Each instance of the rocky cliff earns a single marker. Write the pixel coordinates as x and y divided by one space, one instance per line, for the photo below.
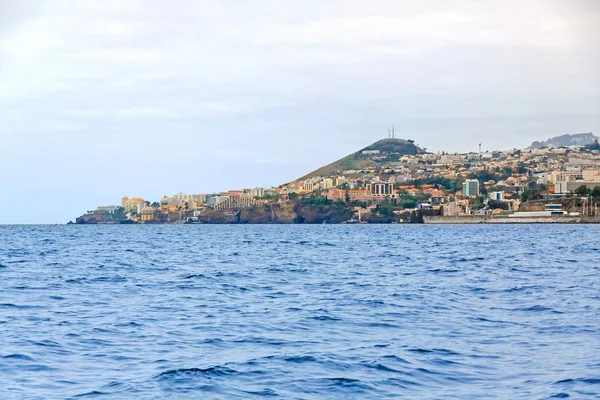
288 212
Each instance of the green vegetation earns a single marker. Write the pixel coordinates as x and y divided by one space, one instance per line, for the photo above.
477 203
268 197
584 191
493 204
315 201
384 209
395 146
485 175
534 194
437 181
407 200
358 161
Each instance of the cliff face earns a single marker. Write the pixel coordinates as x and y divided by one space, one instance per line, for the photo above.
288 212
322 214
282 213
96 218
568 204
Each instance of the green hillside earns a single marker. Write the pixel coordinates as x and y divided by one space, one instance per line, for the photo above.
393 148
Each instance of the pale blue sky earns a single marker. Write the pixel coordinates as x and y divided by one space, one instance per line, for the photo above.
100 99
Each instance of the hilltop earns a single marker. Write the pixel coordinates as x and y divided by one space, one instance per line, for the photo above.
369 157
577 139
392 180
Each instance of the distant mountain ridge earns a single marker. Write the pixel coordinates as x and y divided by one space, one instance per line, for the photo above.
366 158
576 139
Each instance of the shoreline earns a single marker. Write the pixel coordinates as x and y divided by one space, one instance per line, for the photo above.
510 221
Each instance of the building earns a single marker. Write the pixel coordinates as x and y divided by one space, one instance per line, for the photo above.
451 159
327 183
563 187
234 201
213 200
340 180
107 209
194 203
591 174
496 195
403 178
381 189
308 185
147 214
581 162
182 198
258 192
542 179
360 195
335 194
134 204
451 209
471 188
556 176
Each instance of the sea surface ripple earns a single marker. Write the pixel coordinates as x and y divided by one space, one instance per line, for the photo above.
354 311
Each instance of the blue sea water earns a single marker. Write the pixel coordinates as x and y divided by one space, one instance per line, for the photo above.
354 311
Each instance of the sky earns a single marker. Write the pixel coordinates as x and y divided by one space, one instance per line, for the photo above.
106 98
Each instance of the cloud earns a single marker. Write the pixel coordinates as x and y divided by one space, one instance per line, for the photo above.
147 112
306 80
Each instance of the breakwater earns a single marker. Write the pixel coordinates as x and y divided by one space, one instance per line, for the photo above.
476 219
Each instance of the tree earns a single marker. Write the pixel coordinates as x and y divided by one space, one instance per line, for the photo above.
493 204
384 210
505 173
155 204
292 195
595 192
582 191
477 202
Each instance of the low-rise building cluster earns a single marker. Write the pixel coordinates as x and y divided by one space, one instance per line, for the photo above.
456 184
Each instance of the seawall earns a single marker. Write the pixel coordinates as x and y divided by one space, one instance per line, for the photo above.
507 220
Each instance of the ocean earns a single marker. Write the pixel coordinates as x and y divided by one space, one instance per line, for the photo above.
300 312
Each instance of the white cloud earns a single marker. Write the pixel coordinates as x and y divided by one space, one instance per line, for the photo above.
258 77
147 112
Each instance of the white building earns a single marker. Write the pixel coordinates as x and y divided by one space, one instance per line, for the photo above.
308 185
496 195
327 183
563 187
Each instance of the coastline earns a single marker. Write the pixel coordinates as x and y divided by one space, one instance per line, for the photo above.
470 219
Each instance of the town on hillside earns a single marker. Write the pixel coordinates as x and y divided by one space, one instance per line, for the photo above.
392 181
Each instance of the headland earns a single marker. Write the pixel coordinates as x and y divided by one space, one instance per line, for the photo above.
396 181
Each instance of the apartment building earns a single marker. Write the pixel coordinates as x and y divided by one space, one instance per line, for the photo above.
471 188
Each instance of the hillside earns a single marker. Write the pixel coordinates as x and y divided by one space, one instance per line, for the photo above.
577 139
393 148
